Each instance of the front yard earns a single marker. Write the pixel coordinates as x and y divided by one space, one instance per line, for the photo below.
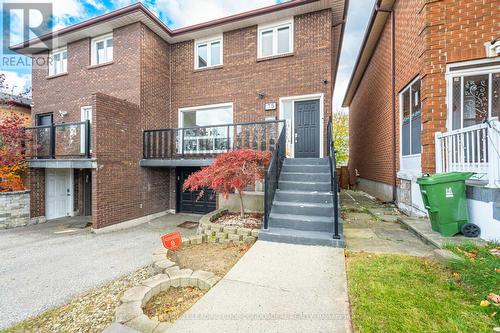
393 293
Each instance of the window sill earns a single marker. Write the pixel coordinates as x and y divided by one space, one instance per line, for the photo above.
100 65
279 56
50 77
208 68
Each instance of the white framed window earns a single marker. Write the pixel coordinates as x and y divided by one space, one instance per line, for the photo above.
473 95
275 39
102 49
208 52
201 134
85 114
58 61
411 119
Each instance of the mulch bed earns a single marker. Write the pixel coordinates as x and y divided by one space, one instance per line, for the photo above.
171 304
211 257
251 221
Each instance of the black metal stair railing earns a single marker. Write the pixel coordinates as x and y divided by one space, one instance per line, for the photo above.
273 174
333 178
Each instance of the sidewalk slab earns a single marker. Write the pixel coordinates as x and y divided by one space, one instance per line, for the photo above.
276 287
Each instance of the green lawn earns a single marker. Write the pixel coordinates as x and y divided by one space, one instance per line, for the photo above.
391 293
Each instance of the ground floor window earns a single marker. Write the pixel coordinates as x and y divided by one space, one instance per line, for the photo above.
475 97
411 119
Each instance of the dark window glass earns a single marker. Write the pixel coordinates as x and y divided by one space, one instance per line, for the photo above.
475 99
406 135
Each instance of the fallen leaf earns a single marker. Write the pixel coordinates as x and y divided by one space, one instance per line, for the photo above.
484 304
494 297
493 314
497 270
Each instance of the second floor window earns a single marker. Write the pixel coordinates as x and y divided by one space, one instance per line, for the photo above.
208 53
58 62
102 49
275 39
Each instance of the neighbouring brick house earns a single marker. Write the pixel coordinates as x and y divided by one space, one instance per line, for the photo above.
127 107
444 57
12 104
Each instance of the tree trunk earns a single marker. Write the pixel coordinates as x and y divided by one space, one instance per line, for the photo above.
242 210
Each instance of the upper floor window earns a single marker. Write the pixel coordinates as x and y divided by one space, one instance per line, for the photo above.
58 62
411 122
102 49
208 53
275 39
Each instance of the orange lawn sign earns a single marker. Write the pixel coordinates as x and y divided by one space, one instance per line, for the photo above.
172 242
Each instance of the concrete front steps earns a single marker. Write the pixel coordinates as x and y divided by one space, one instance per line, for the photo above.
302 211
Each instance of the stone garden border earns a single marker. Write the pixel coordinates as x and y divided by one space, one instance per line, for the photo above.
217 233
130 312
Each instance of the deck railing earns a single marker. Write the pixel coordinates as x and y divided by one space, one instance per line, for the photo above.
208 141
65 140
472 149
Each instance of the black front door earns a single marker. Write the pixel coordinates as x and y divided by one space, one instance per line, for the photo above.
188 201
307 125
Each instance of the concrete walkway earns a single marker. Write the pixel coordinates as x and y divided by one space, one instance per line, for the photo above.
46 265
276 287
372 226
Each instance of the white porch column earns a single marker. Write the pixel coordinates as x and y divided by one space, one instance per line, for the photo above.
438 152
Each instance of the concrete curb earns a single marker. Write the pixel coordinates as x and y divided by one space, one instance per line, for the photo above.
131 223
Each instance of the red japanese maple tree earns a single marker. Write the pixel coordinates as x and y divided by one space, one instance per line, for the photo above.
231 172
13 139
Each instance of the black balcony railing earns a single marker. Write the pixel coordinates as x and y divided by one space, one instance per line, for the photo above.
65 140
208 141
273 175
333 179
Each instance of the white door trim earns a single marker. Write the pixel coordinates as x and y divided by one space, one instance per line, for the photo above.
299 98
70 202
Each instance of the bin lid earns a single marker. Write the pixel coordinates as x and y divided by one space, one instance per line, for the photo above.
444 178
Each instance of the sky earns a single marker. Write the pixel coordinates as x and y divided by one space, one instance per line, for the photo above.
180 13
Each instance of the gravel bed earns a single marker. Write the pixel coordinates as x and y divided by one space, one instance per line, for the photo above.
89 312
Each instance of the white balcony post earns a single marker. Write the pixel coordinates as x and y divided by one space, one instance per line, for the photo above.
493 154
438 152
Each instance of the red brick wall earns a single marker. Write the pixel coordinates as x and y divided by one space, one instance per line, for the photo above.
121 189
242 76
36 183
440 32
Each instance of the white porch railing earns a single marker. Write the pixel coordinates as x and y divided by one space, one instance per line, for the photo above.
475 149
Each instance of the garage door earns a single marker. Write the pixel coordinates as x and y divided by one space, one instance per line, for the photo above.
187 201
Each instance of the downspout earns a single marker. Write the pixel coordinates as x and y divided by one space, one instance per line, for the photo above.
393 97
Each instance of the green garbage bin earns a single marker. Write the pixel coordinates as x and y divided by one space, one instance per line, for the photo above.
445 199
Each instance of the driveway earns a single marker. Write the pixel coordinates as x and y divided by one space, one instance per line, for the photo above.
45 265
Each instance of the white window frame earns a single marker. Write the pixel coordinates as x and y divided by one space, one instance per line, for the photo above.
291 125
93 52
274 28
412 162
53 70
452 74
85 112
202 108
208 42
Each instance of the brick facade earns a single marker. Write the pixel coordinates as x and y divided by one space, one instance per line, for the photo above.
149 80
428 36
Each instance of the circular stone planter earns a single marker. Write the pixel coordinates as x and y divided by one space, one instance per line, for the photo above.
218 233
130 312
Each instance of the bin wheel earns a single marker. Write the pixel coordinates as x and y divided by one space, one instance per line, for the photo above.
470 230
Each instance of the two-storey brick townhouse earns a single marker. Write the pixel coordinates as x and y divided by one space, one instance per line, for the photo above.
127 108
424 97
